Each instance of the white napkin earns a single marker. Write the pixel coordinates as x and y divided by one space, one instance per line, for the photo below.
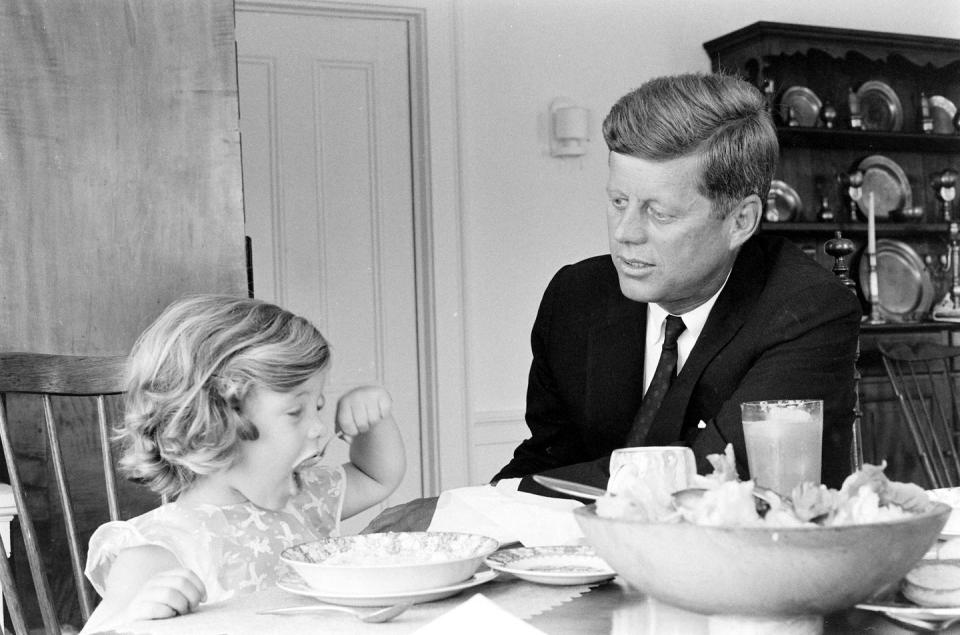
475 612
508 516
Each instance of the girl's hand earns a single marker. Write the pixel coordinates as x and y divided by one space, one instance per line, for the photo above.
167 594
361 409
146 583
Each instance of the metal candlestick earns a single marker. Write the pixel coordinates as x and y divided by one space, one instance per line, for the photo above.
839 248
926 120
944 185
853 104
853 182
948 262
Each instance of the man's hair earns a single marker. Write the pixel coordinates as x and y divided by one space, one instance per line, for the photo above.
188 375
720 118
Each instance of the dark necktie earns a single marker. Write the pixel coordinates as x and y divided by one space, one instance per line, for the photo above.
662 378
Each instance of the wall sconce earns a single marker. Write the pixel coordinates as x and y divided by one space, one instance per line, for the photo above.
569 130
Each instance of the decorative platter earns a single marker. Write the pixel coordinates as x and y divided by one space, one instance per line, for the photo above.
942 111
293 583
905 288
805 105
889 185
880 107
783 203
561 565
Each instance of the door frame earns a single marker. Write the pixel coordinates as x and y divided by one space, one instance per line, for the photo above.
423 239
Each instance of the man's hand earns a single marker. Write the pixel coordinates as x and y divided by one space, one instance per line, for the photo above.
412 516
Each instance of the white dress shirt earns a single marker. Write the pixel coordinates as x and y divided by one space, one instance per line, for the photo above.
656 319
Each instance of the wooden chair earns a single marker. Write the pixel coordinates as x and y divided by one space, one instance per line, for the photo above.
46 377
920 373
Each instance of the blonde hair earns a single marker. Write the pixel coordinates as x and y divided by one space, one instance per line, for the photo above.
188 375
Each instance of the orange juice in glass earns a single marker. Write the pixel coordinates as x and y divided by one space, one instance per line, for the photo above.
784 440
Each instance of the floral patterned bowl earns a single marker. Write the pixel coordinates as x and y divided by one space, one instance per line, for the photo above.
388 563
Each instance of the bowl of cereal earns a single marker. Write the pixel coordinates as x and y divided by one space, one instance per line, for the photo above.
834 550
388 563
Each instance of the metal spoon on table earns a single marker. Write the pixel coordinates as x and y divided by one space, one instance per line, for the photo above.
385 614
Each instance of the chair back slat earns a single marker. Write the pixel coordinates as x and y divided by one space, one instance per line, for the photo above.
45 598
921 375
66 508
106 456
14 607
62 377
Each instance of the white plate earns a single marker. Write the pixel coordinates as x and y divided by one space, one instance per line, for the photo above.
562 565
912 611
295 584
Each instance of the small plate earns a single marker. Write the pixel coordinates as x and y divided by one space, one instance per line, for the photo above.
562 565
783 203
908 610
880 107
905 287
889 185
805 104
942 111
293 583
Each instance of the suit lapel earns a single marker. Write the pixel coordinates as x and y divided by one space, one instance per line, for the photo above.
615 367
728 315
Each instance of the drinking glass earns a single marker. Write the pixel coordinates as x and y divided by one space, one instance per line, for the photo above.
784 440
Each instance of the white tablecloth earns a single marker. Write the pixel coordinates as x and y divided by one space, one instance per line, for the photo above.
238 616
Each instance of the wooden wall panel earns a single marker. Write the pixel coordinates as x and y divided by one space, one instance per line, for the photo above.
119 167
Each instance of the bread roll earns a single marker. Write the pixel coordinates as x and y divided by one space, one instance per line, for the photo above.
933 583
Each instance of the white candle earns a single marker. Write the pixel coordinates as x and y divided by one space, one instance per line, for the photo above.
872 250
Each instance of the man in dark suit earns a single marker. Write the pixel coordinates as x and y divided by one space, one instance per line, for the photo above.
691 161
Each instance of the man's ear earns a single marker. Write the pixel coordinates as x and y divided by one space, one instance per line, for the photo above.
744 220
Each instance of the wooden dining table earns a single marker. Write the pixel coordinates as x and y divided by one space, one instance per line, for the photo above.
612 607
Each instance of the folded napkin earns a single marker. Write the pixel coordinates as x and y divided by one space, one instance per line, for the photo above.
477 611
508 516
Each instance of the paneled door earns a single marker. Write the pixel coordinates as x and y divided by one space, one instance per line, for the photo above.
327 182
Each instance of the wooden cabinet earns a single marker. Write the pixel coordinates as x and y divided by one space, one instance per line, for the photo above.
829 64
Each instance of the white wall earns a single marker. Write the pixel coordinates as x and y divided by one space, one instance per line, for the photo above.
523 213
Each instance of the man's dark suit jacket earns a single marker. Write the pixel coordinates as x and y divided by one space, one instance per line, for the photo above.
782 328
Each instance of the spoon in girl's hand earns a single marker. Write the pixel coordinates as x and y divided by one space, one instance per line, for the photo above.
385 614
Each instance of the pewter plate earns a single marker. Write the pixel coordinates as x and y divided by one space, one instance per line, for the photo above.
905 288
805 104
880 107
942 111
783 203
888 183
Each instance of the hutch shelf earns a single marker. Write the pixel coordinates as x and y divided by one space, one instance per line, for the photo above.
827 66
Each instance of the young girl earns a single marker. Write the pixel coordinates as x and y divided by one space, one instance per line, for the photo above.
223 415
